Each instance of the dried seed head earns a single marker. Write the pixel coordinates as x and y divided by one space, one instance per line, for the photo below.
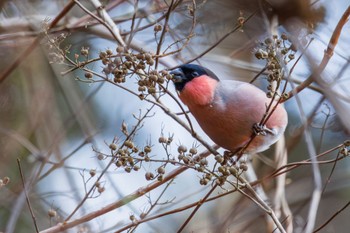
148 56
347 143
128 57
6 180
149 176
153 77
150 62
128 65
284 36
193 150
113 146
84 51
141 153
147 149
120 49
141 89
105 61
129 144
291 56
161 170
151 90
285 95
92 172
52 213
119 163
140 56
203 162
203 181
127 169
219 158
109 52
160 80
102 55
88 75
162 139
157 27
243 166
143 215
233 171
269 94
268 41
182 149
101 189
221 169
344 151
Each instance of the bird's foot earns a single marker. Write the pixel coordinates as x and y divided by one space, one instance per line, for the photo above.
262 130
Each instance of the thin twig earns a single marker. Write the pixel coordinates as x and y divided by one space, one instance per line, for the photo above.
108 22
33 45
327 55
332 217
220 40
200 203
27 198
108 165
164 30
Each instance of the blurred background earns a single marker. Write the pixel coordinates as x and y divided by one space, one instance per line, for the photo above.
58 125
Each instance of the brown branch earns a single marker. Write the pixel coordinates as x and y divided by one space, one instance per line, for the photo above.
199 204
170 9
327 55
191 205
33 45
108 165
26 194
220 40
332 217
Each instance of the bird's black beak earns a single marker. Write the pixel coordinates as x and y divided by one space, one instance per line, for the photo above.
179 79
178 75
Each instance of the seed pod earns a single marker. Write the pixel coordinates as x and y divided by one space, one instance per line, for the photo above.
88 75
157 27
149 176
113 146
147 149
52 213
161 170
120 49
162 139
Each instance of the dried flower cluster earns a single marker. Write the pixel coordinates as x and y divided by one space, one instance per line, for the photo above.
4 181
277 51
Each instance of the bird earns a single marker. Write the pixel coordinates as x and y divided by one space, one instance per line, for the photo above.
229 111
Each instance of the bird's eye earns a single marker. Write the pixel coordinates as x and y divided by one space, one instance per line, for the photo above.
195 74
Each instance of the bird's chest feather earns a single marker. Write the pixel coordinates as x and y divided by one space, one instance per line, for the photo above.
200 91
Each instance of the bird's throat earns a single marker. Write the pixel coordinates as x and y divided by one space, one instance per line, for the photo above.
199 91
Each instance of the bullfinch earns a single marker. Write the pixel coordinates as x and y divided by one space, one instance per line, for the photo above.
228 111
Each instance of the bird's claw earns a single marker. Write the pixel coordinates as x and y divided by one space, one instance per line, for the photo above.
262 130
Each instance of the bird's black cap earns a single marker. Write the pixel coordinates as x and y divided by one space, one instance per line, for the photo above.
185 73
